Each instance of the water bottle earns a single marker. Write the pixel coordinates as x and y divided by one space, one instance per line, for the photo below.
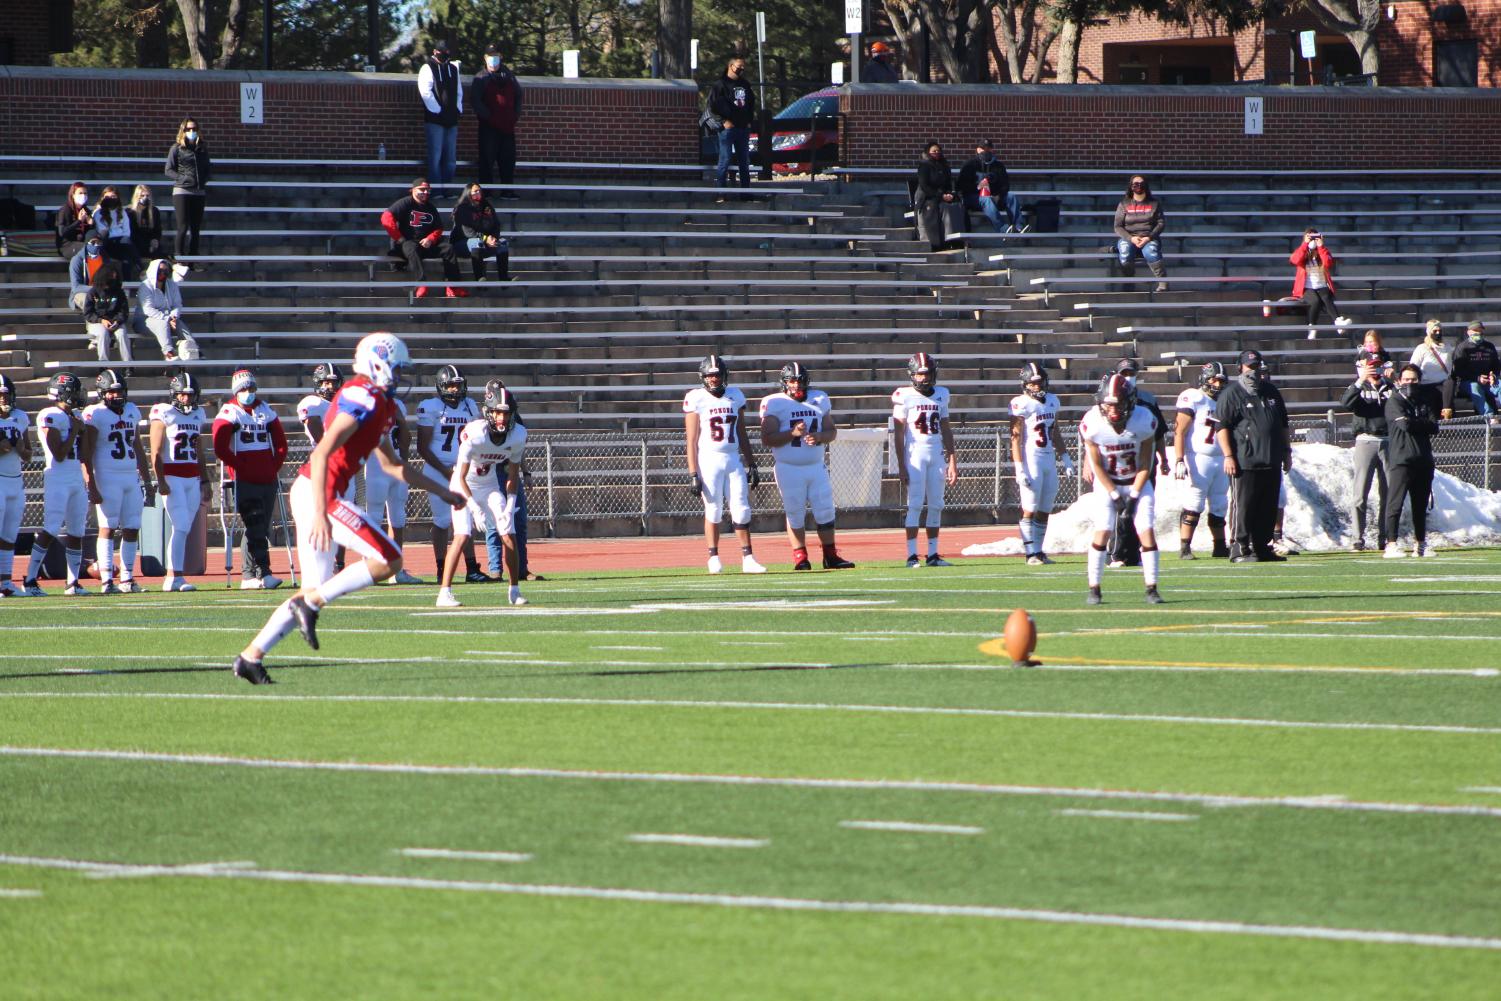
380 152
4 246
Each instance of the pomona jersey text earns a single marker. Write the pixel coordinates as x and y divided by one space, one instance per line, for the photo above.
447 424
923 416
114 438
1118 449
813 412
1037 420
482 454
719 427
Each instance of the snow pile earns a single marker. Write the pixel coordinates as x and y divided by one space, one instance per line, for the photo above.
1319 517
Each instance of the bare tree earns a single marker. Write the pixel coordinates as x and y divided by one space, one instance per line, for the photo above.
195 27
1357 20
1019 29
674 38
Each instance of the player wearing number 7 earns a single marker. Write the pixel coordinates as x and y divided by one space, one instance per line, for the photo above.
1035 452
1204 468
1119 440
924 451
720 464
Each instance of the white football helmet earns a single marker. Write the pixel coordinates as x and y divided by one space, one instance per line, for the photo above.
381 357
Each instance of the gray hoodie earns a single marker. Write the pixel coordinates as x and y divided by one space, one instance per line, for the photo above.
164 303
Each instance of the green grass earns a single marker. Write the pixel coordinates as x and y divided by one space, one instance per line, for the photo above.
620 704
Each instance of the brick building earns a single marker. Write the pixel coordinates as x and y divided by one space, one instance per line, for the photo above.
31 30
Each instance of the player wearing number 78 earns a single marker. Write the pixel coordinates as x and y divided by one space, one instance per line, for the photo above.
1035 451
924 447
720 463
1119 440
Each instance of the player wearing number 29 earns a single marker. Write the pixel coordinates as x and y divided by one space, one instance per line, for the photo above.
180 461
1035 452
65 503
796 424
114 472
924 451
1203 467
720 464
1119 439
359 424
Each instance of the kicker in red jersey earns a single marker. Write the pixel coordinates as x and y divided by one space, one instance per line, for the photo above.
374 412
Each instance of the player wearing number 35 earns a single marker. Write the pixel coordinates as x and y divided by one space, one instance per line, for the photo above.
720 463
796 424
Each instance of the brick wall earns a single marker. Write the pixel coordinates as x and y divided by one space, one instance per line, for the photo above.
1137 128
345 115
23 26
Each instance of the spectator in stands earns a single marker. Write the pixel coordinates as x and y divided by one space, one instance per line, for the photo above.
935 188
984 185
1138 228
82 269
476 229
106 313
1410 455
1366 399
112 223
412 222
497 106
733 100
1313 282
74 221
442 90
1253 438
159 310
1476 367
145 224
878 68
1371 350
1435 363
188 168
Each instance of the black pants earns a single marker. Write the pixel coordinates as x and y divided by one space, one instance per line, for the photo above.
1319 300
124 254
256 503
189 212
497 150
1414 481
1255 492
502 260
415 253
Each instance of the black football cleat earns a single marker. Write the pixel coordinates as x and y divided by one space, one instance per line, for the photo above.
1153 598
1221 553
478 576
1186 553
307 619
252 671
802 565
1094 597
833 561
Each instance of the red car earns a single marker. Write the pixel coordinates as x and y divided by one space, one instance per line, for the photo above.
805 134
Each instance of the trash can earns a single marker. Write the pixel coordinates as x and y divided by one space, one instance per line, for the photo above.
1045 215
856 459
154 533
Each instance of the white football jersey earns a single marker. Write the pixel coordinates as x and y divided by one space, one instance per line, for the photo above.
482 454
1038 418
1119 449
923 417
719 427
1199 403
252 427
813 412
447 424
114 438
60 421
312 405
180 433
13 427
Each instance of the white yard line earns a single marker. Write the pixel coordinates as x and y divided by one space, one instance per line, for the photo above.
449 853
752 902
1484 789
697 841
647 648
1127 815
909 828
19 894
783 782
590 662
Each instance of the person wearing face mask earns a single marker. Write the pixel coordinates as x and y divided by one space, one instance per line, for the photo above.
476 228
1138 228
441 88
934 192
145 224
497 107
733 100
412 223
250 442
1366 399
1313 281
985 185
112 223
106 313
1436 365
74 221
1409 417
159 310
1253 438
82 270
188 167
1476 368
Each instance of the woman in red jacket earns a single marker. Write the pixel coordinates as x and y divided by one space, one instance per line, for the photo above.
1314 282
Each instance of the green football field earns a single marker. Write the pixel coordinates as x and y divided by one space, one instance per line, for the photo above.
1284 783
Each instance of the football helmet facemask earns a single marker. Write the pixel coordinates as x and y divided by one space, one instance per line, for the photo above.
713 367
1212 378
498 407
112 390
183 384
1034 373
7 394
451 385
1117 399
795 381
327 379
923 371
65 388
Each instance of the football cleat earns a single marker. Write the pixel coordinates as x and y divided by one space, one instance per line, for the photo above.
252 671
715 566
307 619
252 584
1272 556
75 591
934 560
514 596
402 577
270 583
1153 598
748 564
8 589
110 587
833 561
802 565
1221 552
1281 548
447 600
129 586
1424 550
1094 597
478 576
1185 552
1360 545
1035 560
1246 558
913 562
31 590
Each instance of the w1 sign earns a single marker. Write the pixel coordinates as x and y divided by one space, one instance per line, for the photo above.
1254 115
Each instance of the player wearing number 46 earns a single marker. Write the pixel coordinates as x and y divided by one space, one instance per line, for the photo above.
720 464
1036 451
15 451
1204 466
249 440
796 424
924 446
65 503
180 461
1119 439
115 475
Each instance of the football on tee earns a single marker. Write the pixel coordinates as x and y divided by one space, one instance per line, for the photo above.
1020 636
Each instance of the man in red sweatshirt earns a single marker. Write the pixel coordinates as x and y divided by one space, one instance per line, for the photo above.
497 105
413 224
249 441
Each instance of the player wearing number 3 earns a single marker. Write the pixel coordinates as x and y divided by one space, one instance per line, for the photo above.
1119 439
1035 452
924 451
796 424
720 464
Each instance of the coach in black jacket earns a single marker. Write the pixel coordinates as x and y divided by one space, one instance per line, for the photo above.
1409 415
1254 439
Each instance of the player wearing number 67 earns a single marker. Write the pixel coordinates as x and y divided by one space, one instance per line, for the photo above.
1035 453
720 463
1119 441
796 424
924 451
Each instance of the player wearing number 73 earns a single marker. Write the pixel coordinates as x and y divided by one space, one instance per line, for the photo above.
1120 439
720 464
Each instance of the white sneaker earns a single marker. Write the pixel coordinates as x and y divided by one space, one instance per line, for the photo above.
515 596
252 584
1393 552
129 586
109 587
75 590
177 584
714 565
1424 550
1035 561
402 577
1342 322
1313 333
447 600
748 564
270 583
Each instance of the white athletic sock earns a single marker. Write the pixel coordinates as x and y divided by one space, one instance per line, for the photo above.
75 563
7 563
177 549
275 629
34 566
932 545
354 577
1150 558
1096 565
911 547
105 552
128 558
1029 535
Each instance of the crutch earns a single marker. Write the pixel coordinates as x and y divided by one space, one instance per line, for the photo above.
226 527
287 529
